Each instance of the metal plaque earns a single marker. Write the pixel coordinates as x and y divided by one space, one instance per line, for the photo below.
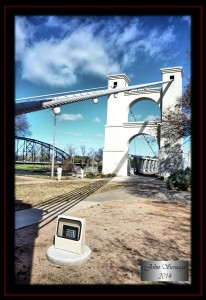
168 270
70 232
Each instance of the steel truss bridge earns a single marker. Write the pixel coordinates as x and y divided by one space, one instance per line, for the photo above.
33 151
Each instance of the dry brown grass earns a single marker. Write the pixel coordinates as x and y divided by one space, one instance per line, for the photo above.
37 192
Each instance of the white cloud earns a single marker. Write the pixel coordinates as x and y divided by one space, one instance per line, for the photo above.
99 136
24 32
96 120
152 118
157 42
74 134
83 141
58 61
55 22
46 63
70 117
73 46
129 34
137 117
187 19
170 20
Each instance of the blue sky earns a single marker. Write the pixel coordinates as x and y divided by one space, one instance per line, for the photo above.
55 54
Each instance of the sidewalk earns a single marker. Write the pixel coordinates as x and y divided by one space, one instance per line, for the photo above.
148 188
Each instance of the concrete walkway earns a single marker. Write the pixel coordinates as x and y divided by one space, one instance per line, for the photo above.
147 188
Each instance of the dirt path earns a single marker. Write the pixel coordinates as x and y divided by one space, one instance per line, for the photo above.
121 232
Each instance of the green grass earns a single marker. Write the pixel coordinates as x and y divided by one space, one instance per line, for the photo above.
31 167
37 176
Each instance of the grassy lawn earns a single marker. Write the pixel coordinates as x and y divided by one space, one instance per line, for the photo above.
37 193
32 167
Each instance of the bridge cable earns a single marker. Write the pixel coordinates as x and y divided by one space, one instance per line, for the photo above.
46 101
134 138
143 134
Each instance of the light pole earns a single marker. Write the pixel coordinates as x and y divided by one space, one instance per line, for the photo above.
189 158
56 112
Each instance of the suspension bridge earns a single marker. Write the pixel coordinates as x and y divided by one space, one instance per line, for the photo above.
36 103
119 132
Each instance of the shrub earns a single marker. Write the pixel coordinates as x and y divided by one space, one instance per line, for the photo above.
90 175
180 180
110 175
99 168
68 166
99 175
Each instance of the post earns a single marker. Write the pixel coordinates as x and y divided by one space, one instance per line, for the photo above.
54 134
189 158
56 111
93 163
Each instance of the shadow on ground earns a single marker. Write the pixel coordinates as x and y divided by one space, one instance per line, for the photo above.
156 189
47 211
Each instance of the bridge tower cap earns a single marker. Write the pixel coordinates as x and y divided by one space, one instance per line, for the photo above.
172 70
118 76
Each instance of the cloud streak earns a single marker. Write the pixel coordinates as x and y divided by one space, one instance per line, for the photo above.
152 118
187 19
74 134
96 120
70 117
99 136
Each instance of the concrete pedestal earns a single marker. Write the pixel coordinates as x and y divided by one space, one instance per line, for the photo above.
62 257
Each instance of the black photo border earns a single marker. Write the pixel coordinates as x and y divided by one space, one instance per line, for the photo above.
9 11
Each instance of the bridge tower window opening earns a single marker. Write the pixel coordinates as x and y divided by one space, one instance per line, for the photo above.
115 85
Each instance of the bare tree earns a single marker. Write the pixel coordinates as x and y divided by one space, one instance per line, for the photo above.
89 155
83 152
178 123
71 150
98 155
186 108
22 126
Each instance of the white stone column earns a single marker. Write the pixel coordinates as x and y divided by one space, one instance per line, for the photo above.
152 165
141 166
149 166
115 153
157 166
146 166
170 154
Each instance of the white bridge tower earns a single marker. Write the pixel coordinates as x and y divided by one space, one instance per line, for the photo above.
119 132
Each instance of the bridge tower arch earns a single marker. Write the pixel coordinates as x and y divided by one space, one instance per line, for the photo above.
118 131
